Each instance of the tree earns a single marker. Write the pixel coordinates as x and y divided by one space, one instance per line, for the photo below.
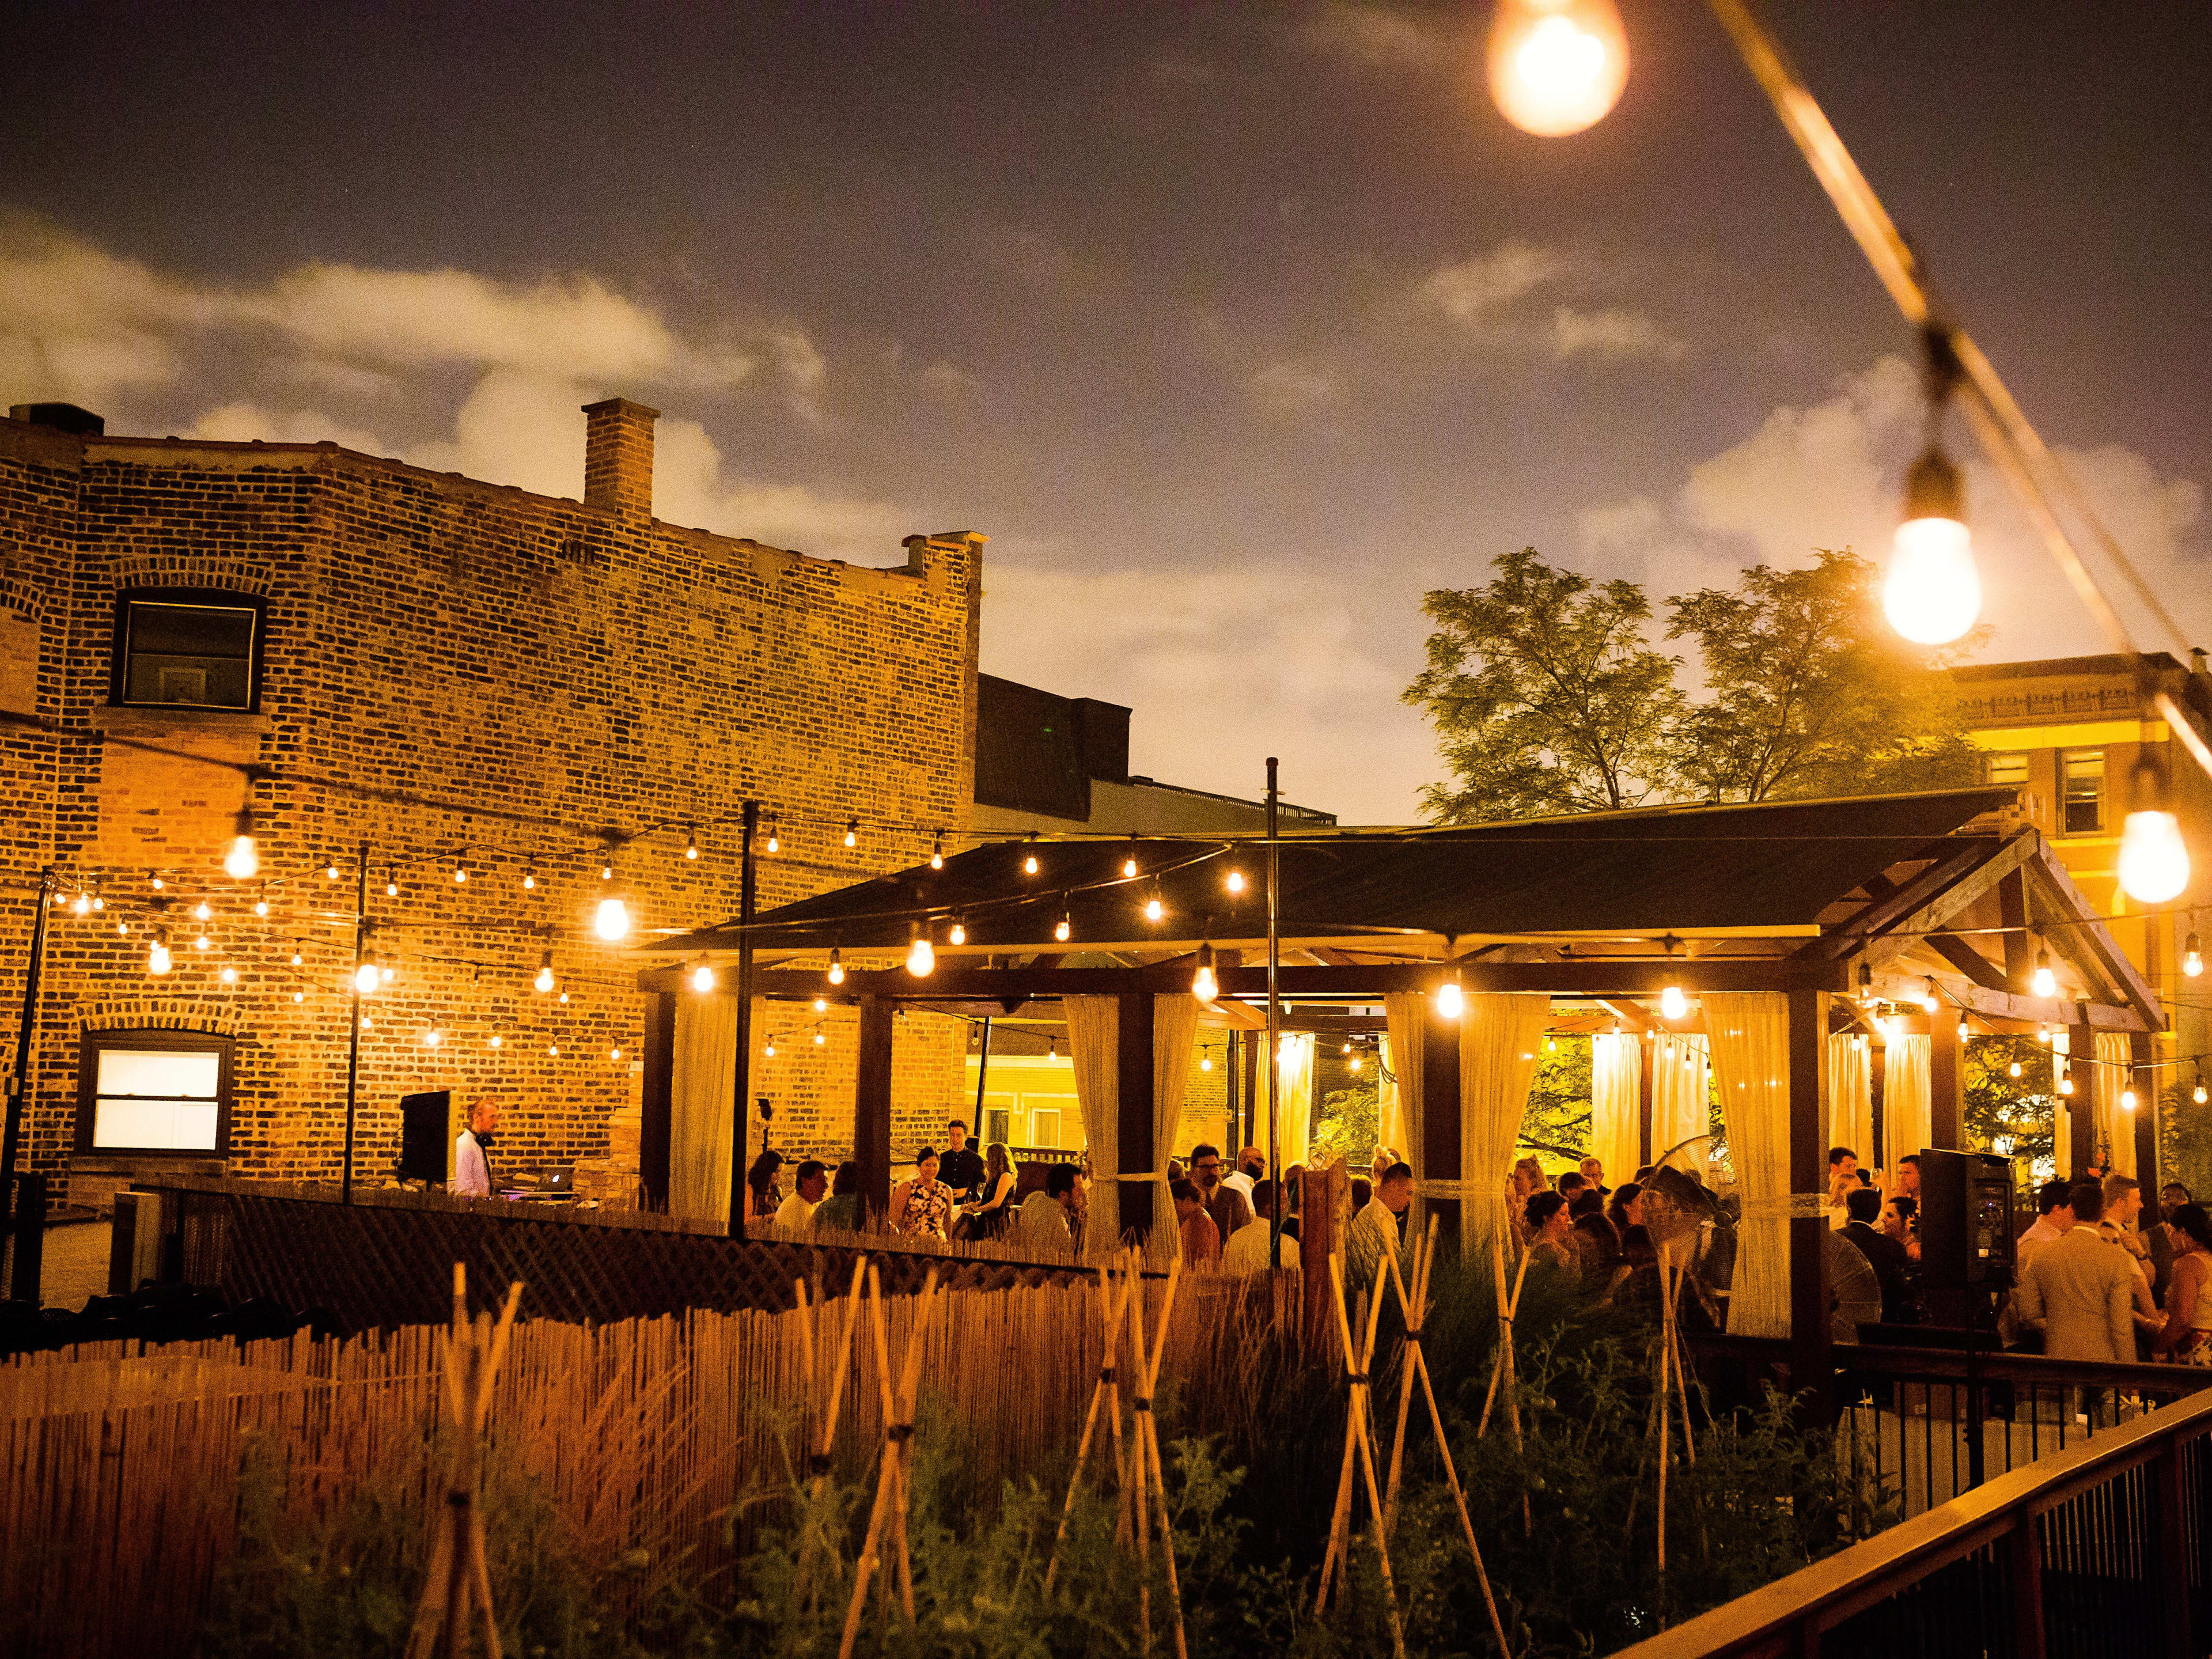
1812 693
1546 697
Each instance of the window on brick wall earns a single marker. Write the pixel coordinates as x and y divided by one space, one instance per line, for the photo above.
181 647
2006 770
2084 772
153 1092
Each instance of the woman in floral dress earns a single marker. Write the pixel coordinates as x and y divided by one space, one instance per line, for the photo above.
922 1207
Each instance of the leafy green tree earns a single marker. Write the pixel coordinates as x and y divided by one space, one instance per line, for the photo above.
1558 1117
1545 695
2011 1115
1811 693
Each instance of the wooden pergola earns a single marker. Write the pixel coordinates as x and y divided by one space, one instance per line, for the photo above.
1841 905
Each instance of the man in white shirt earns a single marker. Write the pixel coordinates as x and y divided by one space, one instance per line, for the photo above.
1251 1166
1046 1223
471 1168
2055 1202
1374 1232
796 1214
1246 1249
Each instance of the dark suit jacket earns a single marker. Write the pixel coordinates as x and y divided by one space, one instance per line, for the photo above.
1890 1267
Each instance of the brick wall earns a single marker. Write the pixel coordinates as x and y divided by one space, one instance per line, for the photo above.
461 655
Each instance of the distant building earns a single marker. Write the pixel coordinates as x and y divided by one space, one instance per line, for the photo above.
2070 733
1053 764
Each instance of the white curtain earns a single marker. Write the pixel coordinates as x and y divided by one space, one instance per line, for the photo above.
1390 1107
2062 1116
1616 1090
1750 1036
2116 1124
1294 1099
1681 1103
1175 1030
1407 1014
701 1097
1851 1097
1906 1121
1094 1043
1499 1036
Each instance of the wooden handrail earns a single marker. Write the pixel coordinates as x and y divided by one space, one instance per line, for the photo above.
1949 1364
1820 1596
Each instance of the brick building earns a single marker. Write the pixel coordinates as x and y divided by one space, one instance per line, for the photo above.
488 689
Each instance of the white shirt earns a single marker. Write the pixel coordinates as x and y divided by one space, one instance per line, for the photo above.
1246 1252
1243 1183
471 1175
796 1215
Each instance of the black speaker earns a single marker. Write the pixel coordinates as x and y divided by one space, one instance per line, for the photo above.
1965 1235
425 1152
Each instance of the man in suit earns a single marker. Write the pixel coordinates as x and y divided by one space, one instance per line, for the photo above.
2080 1291
1885 1254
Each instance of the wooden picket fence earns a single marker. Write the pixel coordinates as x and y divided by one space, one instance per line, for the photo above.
120 1466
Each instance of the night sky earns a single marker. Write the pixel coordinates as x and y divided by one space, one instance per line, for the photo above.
1235 329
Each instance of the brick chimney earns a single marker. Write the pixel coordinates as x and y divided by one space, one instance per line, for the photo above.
618 457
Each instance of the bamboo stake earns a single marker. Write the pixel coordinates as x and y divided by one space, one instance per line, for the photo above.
1509 1308
890 1482
818 1464
1355 1429
1148 1438
1110 1310
1417 1363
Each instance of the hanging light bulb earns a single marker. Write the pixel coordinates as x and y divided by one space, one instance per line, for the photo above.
2192 959
329 872
366 978
495 1041
229 975
1030 863
821 1039
959 934
1206 1062
157 952
553 1051
2066 1079
261 904
158 885
773 843
1451 1002
1557 66
2014 1069
1204 984
299 996
1933 593
529 877
2198 1093
201 912
203 943
100 904
545 980
122 927
392 883
1673 1005
460 873
1129 866
937 852
2127 1100
821 1005
1354 1067
836 967
1052 1048
851 832
1155 908
432 1038
2044 983
81 905
768 1050
691 847
703 976
564 999
296 957
2154 858
1965 1031
612 920
1063 927
1929 1000
1235 881
921 956
1551 1045
388 970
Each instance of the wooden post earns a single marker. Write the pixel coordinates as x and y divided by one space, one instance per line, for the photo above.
2019 948
1647 1049
656 1100
1947 1086
1811 1366
2146 1116
871 1105
1135 1143
1232 1057
2167 1525
1881 1155
1440 1119
2026 1549
2082 1058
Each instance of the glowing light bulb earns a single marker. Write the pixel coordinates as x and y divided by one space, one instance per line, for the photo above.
1030 863
1154 909
821 1005
1235 881
836 967
774 844
921 958
122 927
387 971
2044 1035
1557 66
820 1040
937 854
229 975
553 1051
564 999
545 980
461 874
100 904
2066 1083
1129 867
2192 959
691 852
851 832
495 1041
1203 984
2127 1100
1451 1002
612 920
299 996
1551 1045
2198 1094
1355 1065
261 905
614 1054
157 954
958 935
296 957
529 880
1206 1062
2014 1069
1673 1005
329 872
2154 858
432 1039
203 943
1063 927
1929 1000
201 912
768 1050
703 976
366 979
158 884
2044 982
1933 593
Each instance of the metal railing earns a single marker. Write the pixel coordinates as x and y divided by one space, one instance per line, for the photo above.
2098 1545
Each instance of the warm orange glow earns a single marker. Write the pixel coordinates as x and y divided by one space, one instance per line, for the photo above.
1557 66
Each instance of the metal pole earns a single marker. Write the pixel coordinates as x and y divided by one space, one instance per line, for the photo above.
19 1082
353 1043
982 1070
1274 1022
748 884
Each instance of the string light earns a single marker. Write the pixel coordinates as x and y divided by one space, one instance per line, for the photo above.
774 844
768 1050
836 967
1030 863
203 943
612 922
1129 866
1235 881
2066 1081
2127 1100
1557 66
366 979
545 980
1964 1031
228 976
1206 1062
2044 982
1063 927
553 1051
261 904
201 912
296 957
1155 908
391 882
1203 985
921 957
243 861
157 952
299 996
937 852
158 885
1551 1045
820 1038
1451 1002
2198 1093
614 1054
851 832
101 904
1933 593
82 904
432 1038
958 932
388 970
2154 858
564 999
529 877
1673 1005
2015 1069
690 852
821 1005
703 976
2192 959
330 873
495 1041
1929 1001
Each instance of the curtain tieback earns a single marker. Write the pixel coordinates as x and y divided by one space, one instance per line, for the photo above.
1785 1207
1138 1175
1441 1188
